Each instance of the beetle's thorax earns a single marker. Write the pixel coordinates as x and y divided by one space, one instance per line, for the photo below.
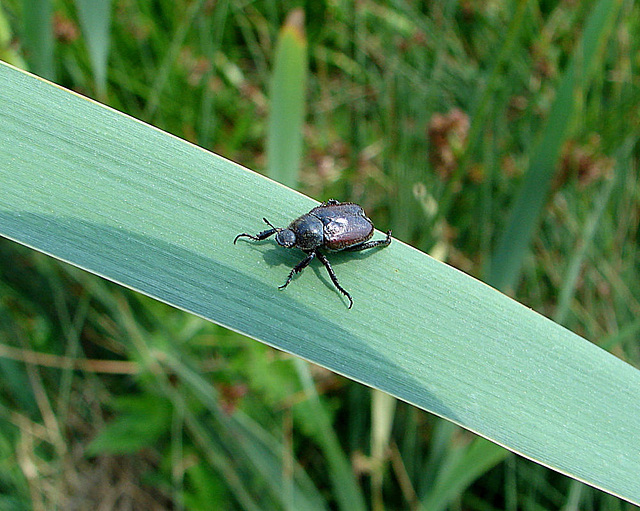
308 232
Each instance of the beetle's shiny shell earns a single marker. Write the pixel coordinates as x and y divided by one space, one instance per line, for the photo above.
344 225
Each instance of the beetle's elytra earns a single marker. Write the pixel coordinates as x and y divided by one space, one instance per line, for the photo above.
334 226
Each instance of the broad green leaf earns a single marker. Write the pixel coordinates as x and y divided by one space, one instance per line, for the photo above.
121 199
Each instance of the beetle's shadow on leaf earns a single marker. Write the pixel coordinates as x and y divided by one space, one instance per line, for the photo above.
278 256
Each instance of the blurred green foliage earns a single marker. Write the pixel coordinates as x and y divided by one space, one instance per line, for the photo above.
426 113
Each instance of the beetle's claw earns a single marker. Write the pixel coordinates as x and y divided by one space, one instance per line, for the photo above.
348 297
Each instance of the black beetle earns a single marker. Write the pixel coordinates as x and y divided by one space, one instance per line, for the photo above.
334 226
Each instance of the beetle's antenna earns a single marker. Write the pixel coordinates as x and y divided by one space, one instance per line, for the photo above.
271 225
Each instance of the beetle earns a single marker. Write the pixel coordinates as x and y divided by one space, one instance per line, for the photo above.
333 226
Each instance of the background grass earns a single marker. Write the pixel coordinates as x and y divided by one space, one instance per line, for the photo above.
381 130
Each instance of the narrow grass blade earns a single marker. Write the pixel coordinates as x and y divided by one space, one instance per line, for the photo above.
95 18
342 478
38 37
383 408
463 465
7 52
586 239
514 243
288 88
171 56
251 444
121 199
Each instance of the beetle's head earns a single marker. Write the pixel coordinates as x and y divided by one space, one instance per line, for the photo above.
286 238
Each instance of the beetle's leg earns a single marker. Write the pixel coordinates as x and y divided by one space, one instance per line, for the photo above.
334 279
369 244
258 237
298 268
331 202
261 235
